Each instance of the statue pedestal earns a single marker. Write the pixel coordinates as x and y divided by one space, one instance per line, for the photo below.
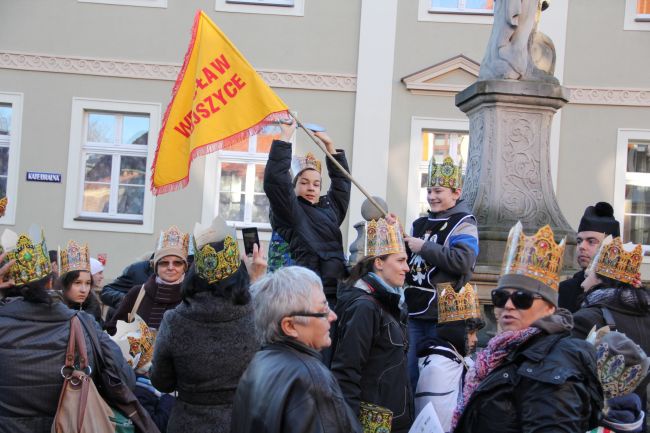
508 177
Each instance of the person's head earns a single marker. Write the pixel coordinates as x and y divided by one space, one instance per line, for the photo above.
290 303
170 258
234 287
472 326
97 271
36 292
76 286
597 222
54 264
307 184
517 308
444 186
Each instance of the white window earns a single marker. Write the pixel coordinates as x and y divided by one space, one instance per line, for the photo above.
632 186
11 111
111 149
268 7
144 3
234 182
431 138
637 15
456 11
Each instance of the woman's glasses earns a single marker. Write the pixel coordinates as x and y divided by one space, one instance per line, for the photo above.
521 299
322 315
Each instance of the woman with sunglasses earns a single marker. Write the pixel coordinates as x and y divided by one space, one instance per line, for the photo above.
370 341
533 376
162 291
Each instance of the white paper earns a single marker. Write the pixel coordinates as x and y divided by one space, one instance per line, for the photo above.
427 421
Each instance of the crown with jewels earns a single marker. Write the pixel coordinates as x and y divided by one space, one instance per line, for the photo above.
615 261
3 206
32 261
300 163
214 266
447 174
460 305
136 341
74 257
173 238
538 256
383 238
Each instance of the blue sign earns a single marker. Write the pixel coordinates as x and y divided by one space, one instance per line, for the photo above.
37 176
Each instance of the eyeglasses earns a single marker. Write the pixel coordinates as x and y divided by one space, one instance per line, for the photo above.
174 263
323 315
521 299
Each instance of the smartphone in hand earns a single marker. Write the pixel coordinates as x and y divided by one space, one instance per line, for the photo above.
250 238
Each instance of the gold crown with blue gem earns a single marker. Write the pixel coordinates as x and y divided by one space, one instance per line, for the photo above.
302 163
211 264
74 257
447 174
32 262
383 238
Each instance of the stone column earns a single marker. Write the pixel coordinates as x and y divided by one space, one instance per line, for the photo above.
508 176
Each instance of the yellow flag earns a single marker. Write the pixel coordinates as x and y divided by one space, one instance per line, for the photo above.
218 99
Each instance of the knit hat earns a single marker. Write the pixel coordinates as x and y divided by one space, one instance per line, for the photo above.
172 242
95 266
600 218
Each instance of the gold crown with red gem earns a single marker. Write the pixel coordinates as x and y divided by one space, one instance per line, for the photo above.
383 238
538 256
618 261
448 174
460 305
301 163
74 257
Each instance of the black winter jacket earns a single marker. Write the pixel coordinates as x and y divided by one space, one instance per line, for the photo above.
369 352
571 293
287 389
315 240
631 316
133 275
33 342
548 384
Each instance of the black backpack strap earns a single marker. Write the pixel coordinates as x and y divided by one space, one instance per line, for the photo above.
609 318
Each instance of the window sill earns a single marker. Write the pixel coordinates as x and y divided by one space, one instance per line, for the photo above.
297 10
448 12
426 14
109 220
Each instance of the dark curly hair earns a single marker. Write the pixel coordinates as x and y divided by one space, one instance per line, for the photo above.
36 292
233 288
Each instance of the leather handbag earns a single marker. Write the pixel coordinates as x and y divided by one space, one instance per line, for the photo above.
81 408
111 387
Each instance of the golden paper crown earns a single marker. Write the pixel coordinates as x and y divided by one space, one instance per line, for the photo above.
538 256
32 260
614 260
448 174
300 163
214 266
3 206
142 344
454 306
174 239
383 238
74 258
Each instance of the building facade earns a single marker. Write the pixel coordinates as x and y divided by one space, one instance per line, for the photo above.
84 85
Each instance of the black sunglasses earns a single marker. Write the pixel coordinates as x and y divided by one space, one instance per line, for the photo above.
521 299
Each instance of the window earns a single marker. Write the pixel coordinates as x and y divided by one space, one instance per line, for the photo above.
144 3
456 11
11 109
462 6
268 7
432 138
637 15
111 150
632 186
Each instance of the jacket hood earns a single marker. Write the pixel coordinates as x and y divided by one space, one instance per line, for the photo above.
461 207
205 307
557 323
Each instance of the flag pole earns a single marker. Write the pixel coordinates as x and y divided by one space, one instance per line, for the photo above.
339 166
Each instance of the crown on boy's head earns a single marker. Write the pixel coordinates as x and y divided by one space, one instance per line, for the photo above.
448 174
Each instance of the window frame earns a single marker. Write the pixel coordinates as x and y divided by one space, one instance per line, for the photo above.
261 7
624 136
427 13
13 165
74 216
633 20
138 3
418 126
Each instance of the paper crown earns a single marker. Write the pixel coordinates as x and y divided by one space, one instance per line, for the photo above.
74 258
538 256
210 264
3 206
172 242
136 341
300 163
617 261
32 261
454 306
447 174
383 238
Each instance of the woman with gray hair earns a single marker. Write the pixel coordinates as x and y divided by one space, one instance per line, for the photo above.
286 387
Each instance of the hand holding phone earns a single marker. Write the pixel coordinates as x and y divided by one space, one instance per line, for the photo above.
251 238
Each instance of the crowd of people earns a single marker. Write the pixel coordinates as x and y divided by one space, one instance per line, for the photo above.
200 338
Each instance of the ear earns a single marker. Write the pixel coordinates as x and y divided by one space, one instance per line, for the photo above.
378 264
457 193
288 328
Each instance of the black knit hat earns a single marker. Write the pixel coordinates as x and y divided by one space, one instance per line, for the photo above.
600 218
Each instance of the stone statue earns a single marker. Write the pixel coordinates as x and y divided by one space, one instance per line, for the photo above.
516 50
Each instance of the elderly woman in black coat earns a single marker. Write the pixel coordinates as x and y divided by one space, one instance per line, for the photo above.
204 345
